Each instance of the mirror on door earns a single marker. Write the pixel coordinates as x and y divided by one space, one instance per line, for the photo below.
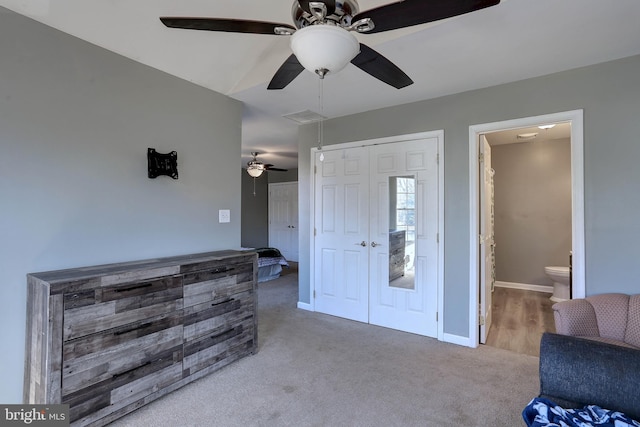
402 231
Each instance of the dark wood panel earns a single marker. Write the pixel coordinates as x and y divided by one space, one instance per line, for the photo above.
210 318
211 355
100 317
211 291
157 372
116 362
102 341
241 270
218 264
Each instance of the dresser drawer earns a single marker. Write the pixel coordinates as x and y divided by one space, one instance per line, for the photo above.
213 330
96 368
216 285
92 311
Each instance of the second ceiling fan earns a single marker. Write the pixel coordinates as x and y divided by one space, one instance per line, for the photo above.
322 39
255 167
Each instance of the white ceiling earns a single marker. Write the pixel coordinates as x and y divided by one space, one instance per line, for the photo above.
514 40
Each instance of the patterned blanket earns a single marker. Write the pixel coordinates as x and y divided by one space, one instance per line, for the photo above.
544 413
270 256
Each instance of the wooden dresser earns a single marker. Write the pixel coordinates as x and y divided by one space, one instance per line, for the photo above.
109 339
396 253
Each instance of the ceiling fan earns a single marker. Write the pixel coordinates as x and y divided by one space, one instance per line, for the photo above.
322 39
255 168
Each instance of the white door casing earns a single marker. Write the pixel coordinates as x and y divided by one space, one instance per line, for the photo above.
486 240
576 119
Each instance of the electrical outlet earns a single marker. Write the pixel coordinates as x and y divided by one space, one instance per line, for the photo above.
224 215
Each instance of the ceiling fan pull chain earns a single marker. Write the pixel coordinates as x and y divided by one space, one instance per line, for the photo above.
321 121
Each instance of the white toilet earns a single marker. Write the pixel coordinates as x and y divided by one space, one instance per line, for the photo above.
561 282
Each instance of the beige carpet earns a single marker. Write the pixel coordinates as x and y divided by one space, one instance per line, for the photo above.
318 370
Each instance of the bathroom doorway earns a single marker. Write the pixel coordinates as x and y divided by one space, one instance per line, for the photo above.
535 218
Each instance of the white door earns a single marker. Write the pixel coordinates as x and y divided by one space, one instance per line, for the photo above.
404 236
352 236
283 219
487 242
342 234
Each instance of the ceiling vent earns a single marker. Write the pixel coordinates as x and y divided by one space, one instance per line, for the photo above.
305 117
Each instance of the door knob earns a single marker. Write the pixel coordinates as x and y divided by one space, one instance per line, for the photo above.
374 244
363 243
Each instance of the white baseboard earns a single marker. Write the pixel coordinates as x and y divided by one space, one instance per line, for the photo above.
457 339
525 286
305 306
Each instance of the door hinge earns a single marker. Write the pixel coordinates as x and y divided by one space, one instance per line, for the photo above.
481 320
436 316
315 169
314 232
481 157
314 294
438 159
437 237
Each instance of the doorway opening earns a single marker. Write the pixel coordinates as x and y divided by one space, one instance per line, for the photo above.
482 243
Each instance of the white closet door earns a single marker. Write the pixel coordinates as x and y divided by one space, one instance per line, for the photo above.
283 219
360 270
403 230
342 233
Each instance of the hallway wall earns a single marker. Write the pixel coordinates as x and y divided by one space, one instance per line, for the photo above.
532 209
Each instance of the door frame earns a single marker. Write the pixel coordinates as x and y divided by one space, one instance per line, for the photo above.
439 134
575 117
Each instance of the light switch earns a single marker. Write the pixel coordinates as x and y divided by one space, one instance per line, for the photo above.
224 215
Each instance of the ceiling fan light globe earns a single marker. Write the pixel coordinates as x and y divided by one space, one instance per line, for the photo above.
324 47
255 169
254 172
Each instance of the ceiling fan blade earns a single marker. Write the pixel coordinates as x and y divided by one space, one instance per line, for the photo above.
286 73
413 12
371 62
306 6
227 25
269 167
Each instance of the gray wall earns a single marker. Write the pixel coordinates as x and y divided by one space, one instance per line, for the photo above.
609 93
289 176
75 124
255 211
532 209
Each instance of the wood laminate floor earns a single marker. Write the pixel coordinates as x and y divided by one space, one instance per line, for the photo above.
519 319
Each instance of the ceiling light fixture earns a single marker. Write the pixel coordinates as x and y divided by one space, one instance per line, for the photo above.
324 48
255 169
545 127
530 135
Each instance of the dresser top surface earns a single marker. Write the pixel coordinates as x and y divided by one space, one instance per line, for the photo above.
141 265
